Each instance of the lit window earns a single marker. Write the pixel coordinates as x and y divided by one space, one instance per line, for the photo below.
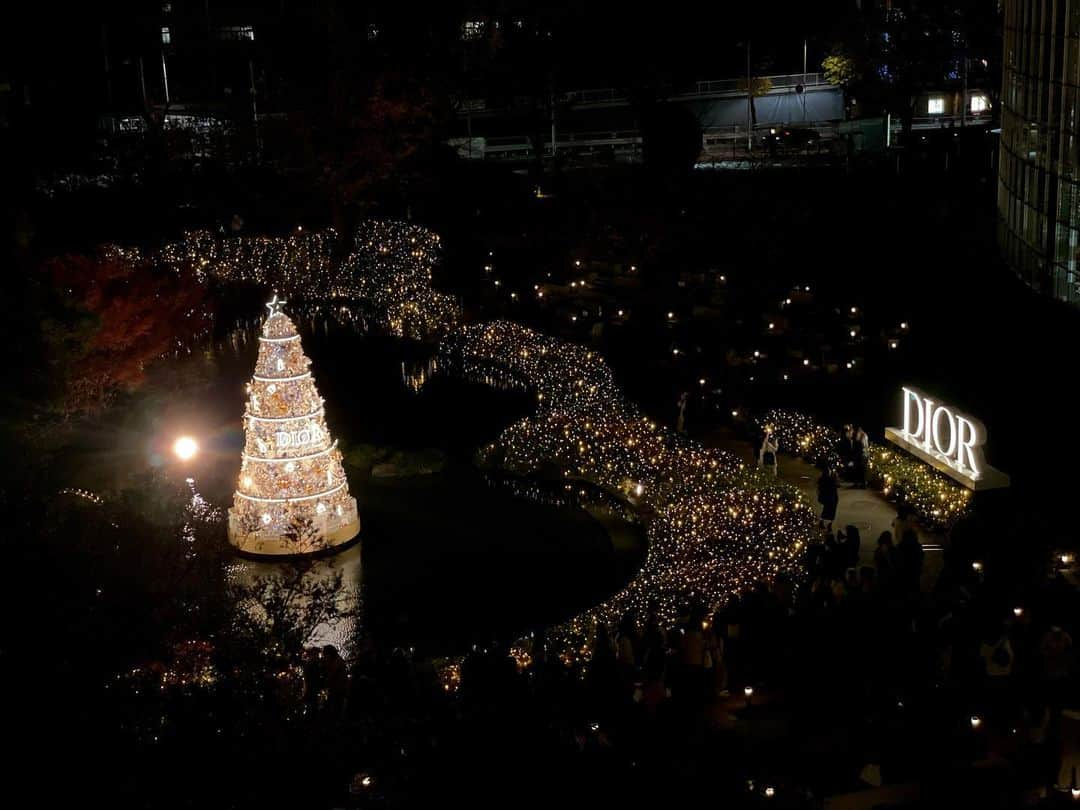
166 37
237 32
936 106
980 104
472 29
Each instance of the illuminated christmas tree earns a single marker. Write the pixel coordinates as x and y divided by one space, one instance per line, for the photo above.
293 497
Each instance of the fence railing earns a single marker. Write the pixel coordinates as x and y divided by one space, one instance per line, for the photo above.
943 121
779 82
602 136
522 143
616 95
710 135
606 95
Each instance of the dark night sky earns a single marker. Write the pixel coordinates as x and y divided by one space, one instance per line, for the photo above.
594 37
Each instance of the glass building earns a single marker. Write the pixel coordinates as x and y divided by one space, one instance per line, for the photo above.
1038 194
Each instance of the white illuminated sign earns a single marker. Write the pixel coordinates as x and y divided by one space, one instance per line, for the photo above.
298 438
947 439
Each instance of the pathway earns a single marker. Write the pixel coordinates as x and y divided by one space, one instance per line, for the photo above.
866 509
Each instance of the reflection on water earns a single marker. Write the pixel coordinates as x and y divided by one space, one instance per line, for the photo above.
314 601
197 511
415 374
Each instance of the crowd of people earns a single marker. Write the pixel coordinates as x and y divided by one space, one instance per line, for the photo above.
861 673
853 453
947 661
849 678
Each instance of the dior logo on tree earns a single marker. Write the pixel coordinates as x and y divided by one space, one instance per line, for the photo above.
298 438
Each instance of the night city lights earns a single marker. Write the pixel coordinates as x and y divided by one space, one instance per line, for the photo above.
501 404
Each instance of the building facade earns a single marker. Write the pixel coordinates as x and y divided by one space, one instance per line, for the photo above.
1038 186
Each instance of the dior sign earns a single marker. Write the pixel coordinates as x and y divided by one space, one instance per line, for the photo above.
298 438
947 439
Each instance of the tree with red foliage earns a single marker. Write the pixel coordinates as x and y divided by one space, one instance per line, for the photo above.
117 317
361 141
383 132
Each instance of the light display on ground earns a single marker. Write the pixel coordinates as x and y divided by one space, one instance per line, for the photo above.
388 269
714 525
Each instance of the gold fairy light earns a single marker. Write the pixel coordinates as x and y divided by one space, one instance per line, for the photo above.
714 525
717 527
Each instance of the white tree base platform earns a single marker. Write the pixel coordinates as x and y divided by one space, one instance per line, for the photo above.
275 545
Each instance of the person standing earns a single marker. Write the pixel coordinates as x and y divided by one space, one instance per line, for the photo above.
903 524
861 452
849 550
680 421
828 494
768 451
627 647
693 656
885 560
847 450
910 555
714 644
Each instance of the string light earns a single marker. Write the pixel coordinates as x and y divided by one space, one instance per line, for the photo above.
317 412
323 452
714 525
388 270
317 495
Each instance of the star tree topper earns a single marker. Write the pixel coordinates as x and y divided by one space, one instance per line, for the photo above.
274 306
